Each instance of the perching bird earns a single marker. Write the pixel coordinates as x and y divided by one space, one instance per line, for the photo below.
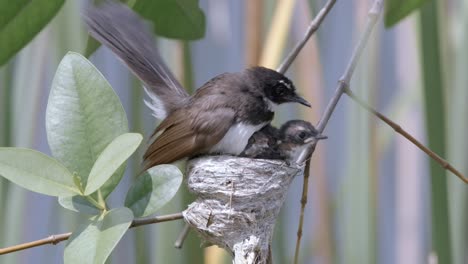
219 117
290 143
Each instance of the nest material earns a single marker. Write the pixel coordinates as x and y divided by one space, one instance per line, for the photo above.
238 201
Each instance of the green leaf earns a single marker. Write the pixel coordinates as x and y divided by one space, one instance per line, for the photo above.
179 19
94 241
456 134
396 10
153 189
91 46
20 21
78 203
83 116
435 113
113 156
36 172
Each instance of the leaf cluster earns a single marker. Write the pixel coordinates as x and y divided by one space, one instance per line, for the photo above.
87 131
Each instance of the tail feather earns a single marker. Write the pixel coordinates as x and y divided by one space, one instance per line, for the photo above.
122 31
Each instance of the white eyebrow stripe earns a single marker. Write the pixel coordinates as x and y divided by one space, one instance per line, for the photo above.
285 84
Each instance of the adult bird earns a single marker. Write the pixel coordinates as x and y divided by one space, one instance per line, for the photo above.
219 117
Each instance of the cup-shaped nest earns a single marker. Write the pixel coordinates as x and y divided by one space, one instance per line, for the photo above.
238 201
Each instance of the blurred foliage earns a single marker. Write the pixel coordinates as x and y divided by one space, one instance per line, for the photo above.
457 129
21 20
435 113
181 19
396 10
91 46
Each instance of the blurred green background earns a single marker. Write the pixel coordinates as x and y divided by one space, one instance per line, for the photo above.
373 196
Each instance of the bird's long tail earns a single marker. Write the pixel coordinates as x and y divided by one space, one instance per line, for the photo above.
121 30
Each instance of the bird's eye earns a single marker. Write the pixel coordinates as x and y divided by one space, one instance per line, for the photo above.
302 135
280 90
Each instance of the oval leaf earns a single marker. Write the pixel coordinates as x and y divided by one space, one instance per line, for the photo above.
20 21
180 19
153 189
36 172
396 10
83 116
78 203
113 156
94 241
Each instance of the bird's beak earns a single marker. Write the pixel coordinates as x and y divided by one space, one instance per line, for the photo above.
319 137
316 138
297 99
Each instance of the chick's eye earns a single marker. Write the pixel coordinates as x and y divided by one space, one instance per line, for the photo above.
302 135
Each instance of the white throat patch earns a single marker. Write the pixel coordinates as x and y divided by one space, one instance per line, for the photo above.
271 105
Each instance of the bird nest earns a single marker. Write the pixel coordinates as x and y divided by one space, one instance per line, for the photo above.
238 201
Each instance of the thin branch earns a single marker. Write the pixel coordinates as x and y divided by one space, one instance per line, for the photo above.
373 15
52 239
445 164
182 236
346 78
55 239
314 25
305 188
156 219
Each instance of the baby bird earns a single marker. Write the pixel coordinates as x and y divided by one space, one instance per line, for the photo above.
290 143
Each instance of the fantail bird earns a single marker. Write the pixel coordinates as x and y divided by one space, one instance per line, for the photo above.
219 117
290 143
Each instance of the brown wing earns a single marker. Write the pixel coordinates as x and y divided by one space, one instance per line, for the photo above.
184 134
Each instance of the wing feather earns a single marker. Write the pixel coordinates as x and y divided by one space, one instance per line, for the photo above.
183 134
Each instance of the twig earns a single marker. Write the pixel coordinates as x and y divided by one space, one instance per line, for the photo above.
52 239
182 236
373 15
314 25
346 78
305 189
445 164
55 239
156 219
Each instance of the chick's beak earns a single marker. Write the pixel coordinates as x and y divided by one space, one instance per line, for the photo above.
316 138
319 137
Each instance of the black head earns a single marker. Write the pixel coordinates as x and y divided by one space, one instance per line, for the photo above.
299 132
276 87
